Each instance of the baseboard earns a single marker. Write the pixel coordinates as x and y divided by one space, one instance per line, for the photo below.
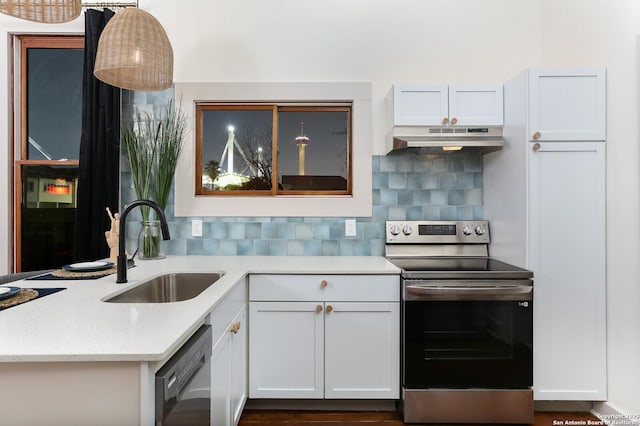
611 416
322 404
576 406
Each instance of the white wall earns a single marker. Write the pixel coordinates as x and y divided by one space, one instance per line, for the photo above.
388 41
381 41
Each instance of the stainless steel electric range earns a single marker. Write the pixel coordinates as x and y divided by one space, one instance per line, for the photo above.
467 325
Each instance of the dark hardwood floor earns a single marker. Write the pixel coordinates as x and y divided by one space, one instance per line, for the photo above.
358 418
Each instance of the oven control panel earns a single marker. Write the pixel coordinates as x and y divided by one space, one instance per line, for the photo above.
437 232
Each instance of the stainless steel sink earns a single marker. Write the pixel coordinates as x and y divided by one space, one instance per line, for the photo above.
167 288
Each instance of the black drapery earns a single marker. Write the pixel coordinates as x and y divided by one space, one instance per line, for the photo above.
99 168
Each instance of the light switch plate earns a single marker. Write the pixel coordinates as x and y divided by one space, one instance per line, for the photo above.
350 228
196 228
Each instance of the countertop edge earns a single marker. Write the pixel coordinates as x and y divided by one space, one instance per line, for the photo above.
234 274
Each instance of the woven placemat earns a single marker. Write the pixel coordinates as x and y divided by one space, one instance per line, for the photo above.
22 296
63 273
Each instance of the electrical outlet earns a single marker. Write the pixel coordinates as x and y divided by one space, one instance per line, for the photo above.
350 228
196 228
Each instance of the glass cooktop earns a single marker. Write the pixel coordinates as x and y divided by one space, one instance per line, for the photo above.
458 267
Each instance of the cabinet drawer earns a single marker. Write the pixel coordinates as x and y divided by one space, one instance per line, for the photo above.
223 314
320 287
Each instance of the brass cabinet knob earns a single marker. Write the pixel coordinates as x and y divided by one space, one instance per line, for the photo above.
537 135
536 146
318 309
235 327
445 120
454 121
329 308
324 283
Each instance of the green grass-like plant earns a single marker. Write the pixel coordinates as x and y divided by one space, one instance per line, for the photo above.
153 146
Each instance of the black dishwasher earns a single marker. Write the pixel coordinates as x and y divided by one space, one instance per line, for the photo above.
183 384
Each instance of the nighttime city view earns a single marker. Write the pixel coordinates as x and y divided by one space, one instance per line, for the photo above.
236 149
312 145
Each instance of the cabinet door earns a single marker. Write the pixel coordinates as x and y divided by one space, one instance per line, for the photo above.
221 382
567 256
287 351
239 363
475 105
362 350
420 104
567 104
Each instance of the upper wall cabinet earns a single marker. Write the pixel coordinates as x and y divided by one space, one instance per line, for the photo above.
447 105
567 104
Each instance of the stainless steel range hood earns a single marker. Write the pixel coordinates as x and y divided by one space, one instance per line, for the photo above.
447 139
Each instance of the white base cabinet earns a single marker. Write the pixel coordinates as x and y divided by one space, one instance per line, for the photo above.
309 338
229 359
287 350
545 200
361 350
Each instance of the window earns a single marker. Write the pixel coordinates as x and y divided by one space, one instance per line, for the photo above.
48 101
356 201
273 149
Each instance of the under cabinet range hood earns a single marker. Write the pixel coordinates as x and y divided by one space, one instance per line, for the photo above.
447 139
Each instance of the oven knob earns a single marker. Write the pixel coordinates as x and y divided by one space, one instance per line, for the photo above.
480 230
394 229
467 230
407 230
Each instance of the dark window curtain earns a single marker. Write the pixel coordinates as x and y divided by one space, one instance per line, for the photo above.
99 171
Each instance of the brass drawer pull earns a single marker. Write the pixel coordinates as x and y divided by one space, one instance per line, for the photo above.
318 309
235 328
324 283
329 308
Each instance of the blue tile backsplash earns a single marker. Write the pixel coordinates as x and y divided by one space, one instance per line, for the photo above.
405 186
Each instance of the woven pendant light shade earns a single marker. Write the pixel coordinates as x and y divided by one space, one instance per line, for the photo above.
44 11
134 52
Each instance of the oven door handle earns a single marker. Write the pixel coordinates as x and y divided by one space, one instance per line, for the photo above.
462 291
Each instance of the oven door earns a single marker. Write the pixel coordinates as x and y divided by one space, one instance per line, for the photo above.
484 342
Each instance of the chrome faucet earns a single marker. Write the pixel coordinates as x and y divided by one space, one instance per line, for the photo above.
122 256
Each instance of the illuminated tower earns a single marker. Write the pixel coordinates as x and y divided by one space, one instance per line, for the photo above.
229 148
302 142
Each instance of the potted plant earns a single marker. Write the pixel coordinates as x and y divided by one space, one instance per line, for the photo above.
153 146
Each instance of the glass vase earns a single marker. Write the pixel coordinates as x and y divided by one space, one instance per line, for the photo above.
150 242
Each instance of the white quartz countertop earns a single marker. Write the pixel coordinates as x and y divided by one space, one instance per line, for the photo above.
77 325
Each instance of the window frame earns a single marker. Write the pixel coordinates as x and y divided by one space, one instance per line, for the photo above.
358 204
22 43
275 108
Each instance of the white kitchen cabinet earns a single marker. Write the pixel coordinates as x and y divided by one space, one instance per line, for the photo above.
287 356
333 336
361 349
567 104
239 367
546 205
567 254
447 105
221 382
229 360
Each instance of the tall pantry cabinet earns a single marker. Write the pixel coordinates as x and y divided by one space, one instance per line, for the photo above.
544 195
